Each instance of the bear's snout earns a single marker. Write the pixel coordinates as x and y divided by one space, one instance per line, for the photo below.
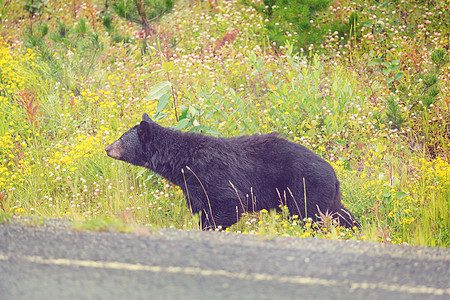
115 150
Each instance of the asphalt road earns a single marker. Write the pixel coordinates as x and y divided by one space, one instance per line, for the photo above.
55 262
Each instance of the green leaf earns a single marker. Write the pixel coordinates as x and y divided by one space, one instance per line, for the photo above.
380 149
232 92
145 76
386 194
182 124
375 61
162 103
398 75
386 71
159 116
251 57
168 66
158 90
381 23
206 129
193 111
140 173
394 181
400 195
183 112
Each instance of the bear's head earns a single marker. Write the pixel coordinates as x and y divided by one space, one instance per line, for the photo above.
132 146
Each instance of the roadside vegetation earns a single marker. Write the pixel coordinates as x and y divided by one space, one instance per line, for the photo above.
365 84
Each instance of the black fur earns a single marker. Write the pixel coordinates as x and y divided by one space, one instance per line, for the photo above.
223 177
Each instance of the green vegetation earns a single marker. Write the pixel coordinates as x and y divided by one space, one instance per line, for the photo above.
141 12
372 97
4 218
103 223
295 21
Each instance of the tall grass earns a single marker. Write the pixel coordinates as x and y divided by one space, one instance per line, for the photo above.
373 101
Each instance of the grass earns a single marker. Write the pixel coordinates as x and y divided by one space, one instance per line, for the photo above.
373 101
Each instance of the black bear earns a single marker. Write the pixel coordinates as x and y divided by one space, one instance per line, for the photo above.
223 177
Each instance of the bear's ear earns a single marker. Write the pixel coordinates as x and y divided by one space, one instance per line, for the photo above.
144 131
146 118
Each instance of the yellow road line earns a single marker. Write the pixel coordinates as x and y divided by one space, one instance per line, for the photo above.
235 275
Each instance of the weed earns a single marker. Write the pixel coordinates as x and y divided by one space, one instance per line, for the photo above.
371 97
102 223
28 102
